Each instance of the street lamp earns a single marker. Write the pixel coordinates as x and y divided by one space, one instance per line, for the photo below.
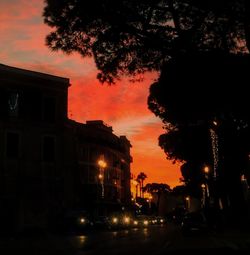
135 183
188 202
206 170
203 186
102 165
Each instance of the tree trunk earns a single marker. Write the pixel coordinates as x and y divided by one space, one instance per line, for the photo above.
142 192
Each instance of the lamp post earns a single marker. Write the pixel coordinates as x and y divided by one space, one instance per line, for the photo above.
102 165
206 172
135 183
187 202
215 146
203 187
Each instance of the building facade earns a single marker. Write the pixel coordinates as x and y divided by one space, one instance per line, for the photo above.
103 167
47 162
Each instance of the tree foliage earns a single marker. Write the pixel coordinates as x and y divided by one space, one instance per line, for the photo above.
130 37
157 188
197 46
141 177
192 91
199 86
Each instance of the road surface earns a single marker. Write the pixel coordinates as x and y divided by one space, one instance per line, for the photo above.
155 240
151 240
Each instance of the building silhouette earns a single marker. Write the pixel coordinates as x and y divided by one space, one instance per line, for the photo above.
102 189
49 163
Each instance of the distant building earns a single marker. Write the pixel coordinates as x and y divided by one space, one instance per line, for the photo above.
102 188
47 162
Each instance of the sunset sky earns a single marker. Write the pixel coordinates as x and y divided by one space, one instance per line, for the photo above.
123 106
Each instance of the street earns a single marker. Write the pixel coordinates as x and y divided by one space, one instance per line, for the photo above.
146 240
158 240
151 240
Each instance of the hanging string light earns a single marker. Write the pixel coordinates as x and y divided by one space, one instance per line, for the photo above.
214 140
13 101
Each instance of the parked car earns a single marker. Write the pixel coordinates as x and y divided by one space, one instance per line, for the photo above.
114 221
160 220
121 220
194 222
75 221
141 221
102 222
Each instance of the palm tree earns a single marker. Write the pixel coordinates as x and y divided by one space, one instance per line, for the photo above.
140 178
138 183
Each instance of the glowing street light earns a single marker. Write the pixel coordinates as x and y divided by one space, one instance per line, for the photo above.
203 186
215 122
102 165
135 184
206 169
188 202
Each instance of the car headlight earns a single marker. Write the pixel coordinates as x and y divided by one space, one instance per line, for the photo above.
135 222
126 220
114 220
145 222
82 220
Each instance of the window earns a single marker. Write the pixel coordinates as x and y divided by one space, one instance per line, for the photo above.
49 109
12 145
48 150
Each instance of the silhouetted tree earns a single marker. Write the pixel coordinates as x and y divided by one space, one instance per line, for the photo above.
138 183
211 94
192 91
141 177
131 37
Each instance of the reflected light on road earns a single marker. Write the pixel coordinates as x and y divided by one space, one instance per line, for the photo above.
114 233
82 240
126 232
145 232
